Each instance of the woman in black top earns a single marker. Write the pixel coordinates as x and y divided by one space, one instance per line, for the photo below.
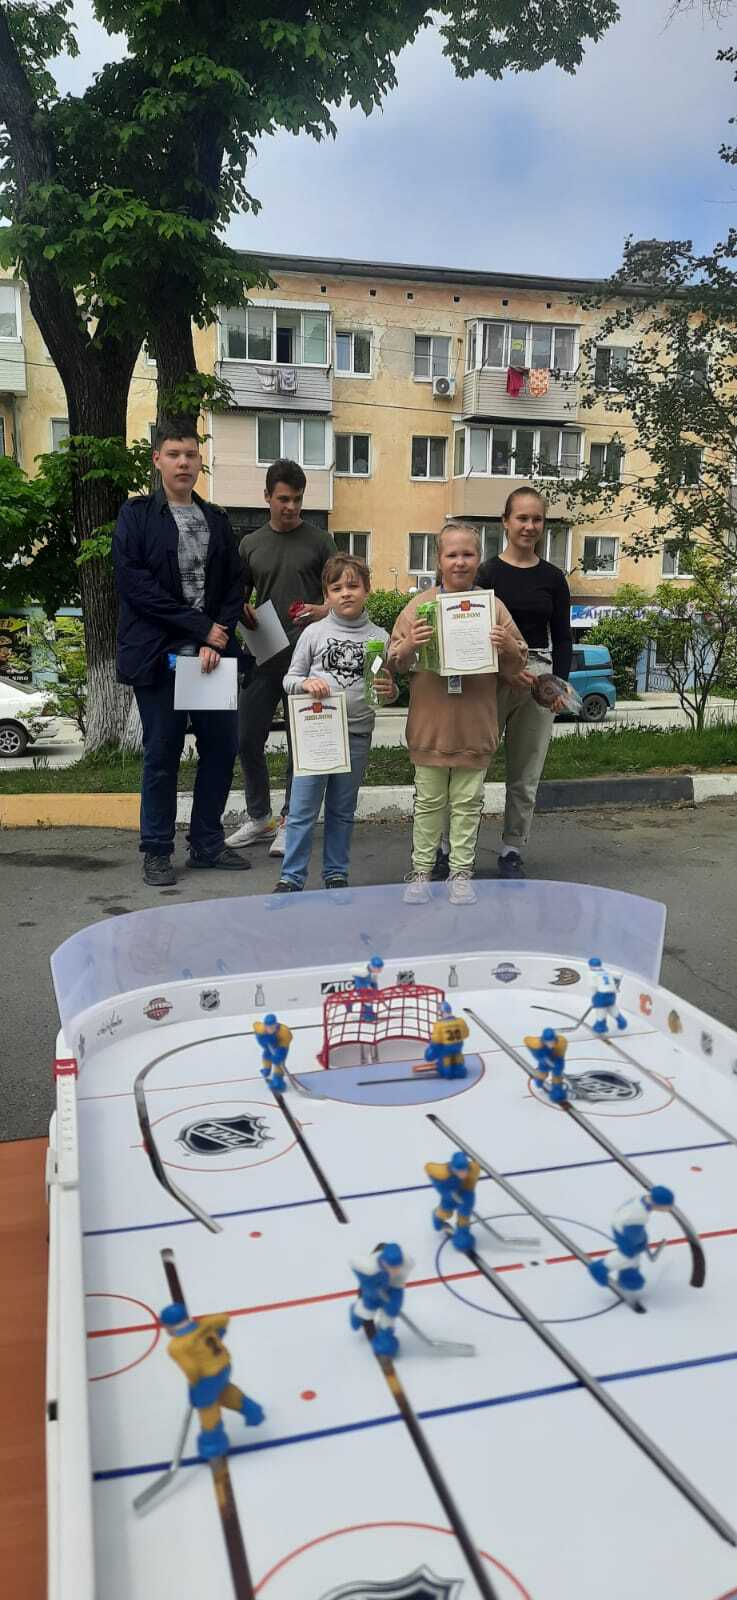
538 597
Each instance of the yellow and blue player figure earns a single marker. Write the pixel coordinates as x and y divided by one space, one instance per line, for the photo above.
275 1038
367 983
604 999
455 1181
549 1052
381 1279
196 1344
445 1049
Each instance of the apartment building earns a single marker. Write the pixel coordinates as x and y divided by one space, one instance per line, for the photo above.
409 394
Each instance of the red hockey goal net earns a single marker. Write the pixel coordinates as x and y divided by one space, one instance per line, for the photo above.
407 1011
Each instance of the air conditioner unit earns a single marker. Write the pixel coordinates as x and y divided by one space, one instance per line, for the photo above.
443 388
426 579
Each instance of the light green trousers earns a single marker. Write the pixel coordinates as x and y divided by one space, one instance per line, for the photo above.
458 791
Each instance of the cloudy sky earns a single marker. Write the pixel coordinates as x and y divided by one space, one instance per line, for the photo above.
540 173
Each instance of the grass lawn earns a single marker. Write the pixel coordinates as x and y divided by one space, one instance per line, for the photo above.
620 751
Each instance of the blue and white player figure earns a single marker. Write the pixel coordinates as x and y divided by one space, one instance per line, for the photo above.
549 1054
455 1182
604 1000
381 1279
367 981
629 1227
274 1038
445 1049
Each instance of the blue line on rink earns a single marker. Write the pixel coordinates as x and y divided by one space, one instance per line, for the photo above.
410 1188
426 1416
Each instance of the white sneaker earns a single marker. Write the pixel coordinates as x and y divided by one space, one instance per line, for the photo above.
255 830
417 892
461 891
279 843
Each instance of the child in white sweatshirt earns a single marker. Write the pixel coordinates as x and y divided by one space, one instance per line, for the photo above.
330 657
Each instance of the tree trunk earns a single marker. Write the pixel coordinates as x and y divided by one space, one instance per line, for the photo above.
173 348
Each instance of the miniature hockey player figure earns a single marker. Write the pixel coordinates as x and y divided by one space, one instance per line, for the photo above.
275 1038
549 1052
629 1227
197 1347
604 1001
381 1279
367 982
445 1049
455 1181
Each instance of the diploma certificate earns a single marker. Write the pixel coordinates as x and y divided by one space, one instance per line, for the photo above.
465 622
319 735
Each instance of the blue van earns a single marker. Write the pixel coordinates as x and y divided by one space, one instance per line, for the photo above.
592 676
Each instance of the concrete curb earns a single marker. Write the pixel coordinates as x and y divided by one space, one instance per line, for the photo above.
389 803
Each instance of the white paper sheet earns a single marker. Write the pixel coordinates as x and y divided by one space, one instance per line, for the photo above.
465 623
319 735
195 690
268 638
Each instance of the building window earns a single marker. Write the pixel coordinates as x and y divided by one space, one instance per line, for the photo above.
275 334
59 431
521 344
557 546
352 454
353 355
605 462
693 458
611 364
599 556
9 312
353 544
428 457
423 555
301 439
509 452
432 356
676 561
491 537
459 453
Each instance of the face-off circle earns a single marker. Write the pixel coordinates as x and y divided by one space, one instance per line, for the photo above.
111 1352
553 1280
602 1090
402 1558
222 1135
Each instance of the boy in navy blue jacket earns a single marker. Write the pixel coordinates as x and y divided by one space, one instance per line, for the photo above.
179 581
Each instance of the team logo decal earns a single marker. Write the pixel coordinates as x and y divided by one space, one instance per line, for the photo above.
646 1004
674 1022
406 976
114 1021
422 1584
210 999
215 1135
81 1046
598 1085
506 972
336 986
158 1008
564 976
707 1044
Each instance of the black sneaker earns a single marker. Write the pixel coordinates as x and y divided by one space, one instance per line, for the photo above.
228 860
511 865
337 880
158 871
285 887
441 870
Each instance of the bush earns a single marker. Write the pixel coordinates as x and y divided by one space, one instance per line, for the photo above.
625 634
384 606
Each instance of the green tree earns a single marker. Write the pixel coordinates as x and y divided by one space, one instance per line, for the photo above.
117 198
59 645
694 627
625 632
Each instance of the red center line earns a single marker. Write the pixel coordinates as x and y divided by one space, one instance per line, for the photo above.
413 1283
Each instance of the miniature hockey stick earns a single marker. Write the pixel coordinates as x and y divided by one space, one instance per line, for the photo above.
444 1347
516 1242
647 1072
229 1519
157 1165
698 1259
598 1392
527 1205
396 1388
147 1497
312 1160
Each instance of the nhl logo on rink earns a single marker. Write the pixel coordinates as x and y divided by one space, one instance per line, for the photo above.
210 999
506 972
421 1584
215 1135
405 976
157 1009
601 1085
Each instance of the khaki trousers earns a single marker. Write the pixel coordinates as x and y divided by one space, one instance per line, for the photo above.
527 729
438 791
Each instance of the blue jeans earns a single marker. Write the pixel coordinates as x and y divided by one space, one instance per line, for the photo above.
340 790
216 733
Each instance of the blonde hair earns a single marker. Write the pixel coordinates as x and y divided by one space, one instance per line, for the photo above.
460 527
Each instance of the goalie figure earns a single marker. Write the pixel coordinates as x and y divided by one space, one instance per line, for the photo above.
381 1279
629 1227
445 1049
275 1038
604 1000
455 1181
367 983
196 1344
549 1053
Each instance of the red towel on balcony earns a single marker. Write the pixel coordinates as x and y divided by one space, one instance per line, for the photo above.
515 381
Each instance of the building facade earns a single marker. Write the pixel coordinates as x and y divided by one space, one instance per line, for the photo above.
409 394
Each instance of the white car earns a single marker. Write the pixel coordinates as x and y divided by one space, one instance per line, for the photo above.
23 718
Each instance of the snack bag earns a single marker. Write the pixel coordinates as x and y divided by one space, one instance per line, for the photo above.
428 658
373 659
547 687
295 608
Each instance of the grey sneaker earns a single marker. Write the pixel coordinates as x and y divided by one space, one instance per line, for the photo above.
417 892
158 871
461 891
255 830
279 841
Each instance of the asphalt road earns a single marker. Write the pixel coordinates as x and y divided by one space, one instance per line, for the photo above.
55 881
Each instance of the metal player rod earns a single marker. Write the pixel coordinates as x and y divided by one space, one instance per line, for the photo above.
647 1072
619 1415
698 1260
565 1239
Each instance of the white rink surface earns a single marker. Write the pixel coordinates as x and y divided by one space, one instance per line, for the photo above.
330 1490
